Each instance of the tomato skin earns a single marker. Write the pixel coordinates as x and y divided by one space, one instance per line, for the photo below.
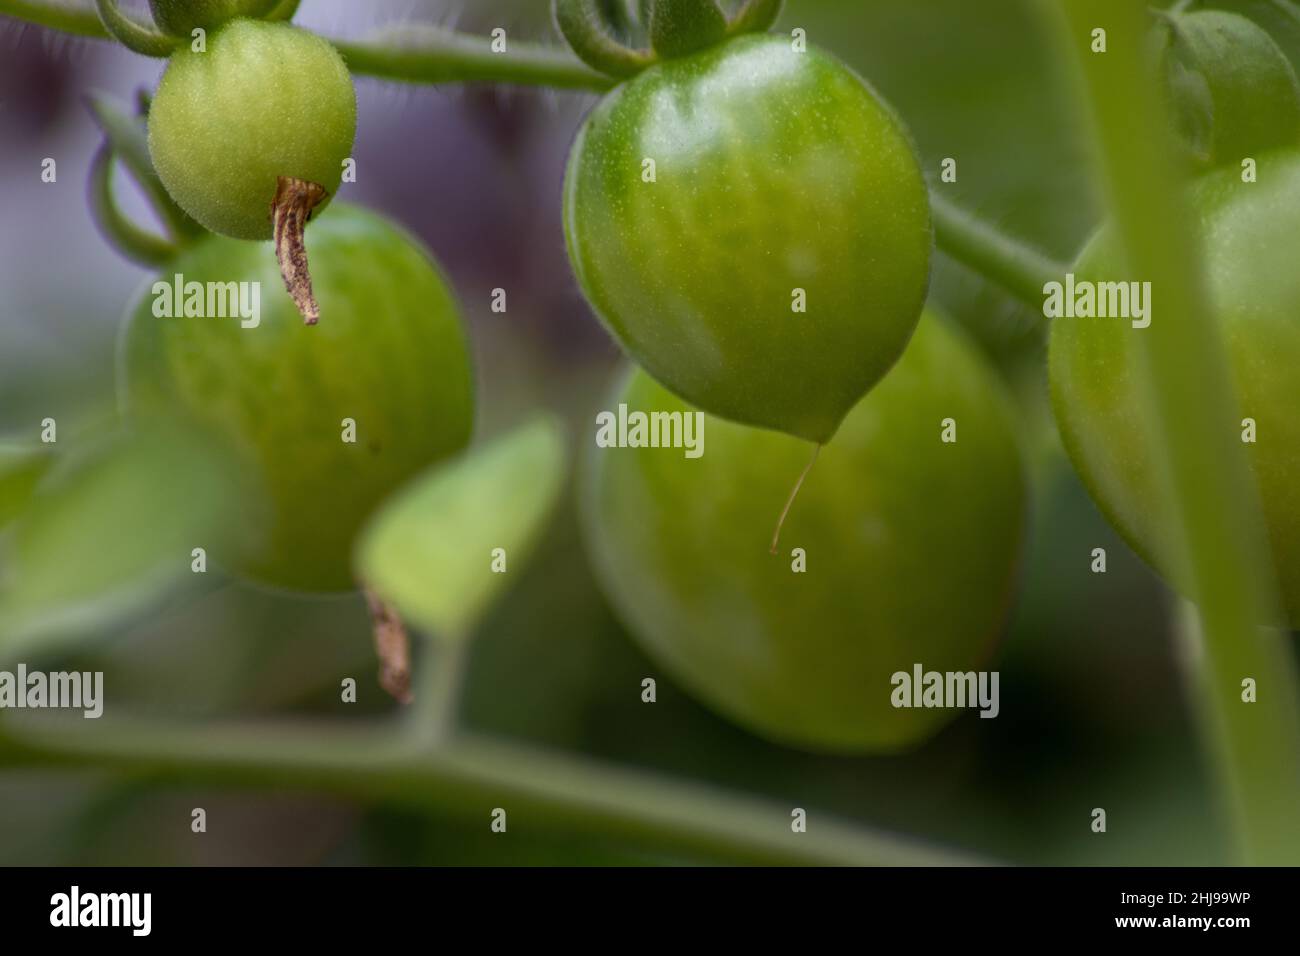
265 100
393 357
912 547
1248 238
775 171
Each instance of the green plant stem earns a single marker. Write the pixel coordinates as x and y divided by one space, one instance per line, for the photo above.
131 33
1220 538
126 136
411 53
1015 266
416 53
77 17
135 243
584 25
469 776
437 693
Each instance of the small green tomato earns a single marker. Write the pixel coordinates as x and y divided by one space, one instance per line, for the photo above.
751 223
326 423
265 102
901 549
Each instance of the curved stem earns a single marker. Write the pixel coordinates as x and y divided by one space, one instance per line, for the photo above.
755 16
424 54
1218 537
583 26
77 17
127 136
125 236
469 775
1017 267
132 34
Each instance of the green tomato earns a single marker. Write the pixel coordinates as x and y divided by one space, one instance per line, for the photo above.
1248 235
912 547
1234 92
781 181
181 17
267 100
393 359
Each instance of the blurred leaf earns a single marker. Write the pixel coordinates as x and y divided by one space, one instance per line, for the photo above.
21 466
430 551
108 532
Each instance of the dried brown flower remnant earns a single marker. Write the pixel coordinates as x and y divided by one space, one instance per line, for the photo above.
294 201
393 647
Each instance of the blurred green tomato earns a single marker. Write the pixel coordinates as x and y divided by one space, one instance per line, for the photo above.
911 547
266 100
751 223
393 359
1248 233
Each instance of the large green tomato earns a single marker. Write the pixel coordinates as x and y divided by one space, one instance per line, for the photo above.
912 547
1248 233
393 359
711 198
263 101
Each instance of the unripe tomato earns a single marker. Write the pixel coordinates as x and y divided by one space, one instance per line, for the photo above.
911 547
780 182
265 101
1248 233
393 359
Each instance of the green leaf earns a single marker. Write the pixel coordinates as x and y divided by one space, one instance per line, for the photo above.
21 466
429 551
108 532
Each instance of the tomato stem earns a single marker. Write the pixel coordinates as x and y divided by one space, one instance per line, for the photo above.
409 53
442 675
133 34
292 207
1015 266
126 237
794 493
584 26
125 135
466 775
